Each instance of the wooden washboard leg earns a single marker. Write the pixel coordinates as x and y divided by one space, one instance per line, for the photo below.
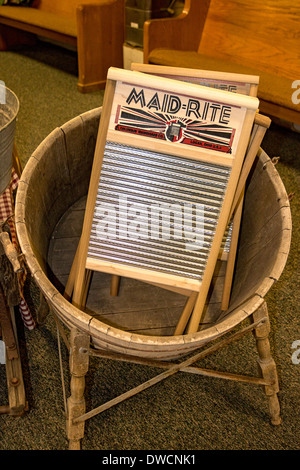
115 284
71 279
261 124
232 253
186 313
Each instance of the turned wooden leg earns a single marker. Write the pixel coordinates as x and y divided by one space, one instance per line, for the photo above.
266 363
79 363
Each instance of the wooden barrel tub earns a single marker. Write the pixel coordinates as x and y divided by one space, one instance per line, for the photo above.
139 321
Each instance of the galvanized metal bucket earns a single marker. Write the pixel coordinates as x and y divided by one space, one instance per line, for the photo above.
9 108
55 180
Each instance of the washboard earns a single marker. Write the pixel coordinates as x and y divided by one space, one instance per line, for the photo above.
167 161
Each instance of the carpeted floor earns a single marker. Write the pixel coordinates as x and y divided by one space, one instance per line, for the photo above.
184 412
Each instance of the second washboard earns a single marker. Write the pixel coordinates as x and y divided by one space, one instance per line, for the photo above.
166 166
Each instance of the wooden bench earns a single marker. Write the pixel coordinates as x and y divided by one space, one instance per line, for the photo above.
240 36
95 28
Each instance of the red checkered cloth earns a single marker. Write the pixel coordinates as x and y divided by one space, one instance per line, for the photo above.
6 214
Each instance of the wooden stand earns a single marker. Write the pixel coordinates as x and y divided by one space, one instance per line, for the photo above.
9 298
80 350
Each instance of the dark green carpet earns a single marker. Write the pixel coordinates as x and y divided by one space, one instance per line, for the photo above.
184 412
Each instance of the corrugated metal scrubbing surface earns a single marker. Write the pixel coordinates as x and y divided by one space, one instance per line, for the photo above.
156 211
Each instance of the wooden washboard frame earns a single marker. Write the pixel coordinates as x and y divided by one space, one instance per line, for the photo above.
131 97
233 82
